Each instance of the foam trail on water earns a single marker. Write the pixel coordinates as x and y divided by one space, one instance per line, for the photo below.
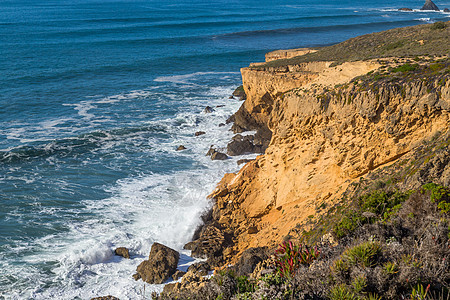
140 209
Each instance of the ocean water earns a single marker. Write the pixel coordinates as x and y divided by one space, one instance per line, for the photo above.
95 97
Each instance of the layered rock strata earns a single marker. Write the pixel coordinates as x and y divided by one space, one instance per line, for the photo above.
329 126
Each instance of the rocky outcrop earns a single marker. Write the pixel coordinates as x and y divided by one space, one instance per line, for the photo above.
284 54
122 251
429 5
162 264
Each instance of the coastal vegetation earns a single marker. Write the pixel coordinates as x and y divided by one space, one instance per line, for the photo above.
429 40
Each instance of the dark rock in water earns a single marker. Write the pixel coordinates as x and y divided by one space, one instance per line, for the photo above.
243 161
231 97
217 106
221 124
181 147
240 145
199 133
429 5
109 297
405 9
249 259
446 10
219 156
211 151
162 264
208 109
240 93
178 274
136 276
122 251
201 268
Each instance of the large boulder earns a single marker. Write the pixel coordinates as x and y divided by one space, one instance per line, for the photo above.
162 264
122 251
249 259
429 5
240 145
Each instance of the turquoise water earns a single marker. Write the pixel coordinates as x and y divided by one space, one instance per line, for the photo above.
95 96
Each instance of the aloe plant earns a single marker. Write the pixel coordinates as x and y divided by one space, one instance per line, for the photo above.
290 256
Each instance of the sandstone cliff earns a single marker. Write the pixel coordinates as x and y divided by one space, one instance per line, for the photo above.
330 125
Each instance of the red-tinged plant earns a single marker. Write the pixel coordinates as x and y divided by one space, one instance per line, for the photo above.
289 257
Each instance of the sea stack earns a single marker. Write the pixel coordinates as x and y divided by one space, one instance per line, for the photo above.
429 5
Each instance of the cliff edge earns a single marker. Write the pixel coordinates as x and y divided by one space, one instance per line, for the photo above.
339 119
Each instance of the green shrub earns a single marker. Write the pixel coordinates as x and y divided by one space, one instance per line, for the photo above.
390 268
359 284
341 292
405 68
364 254
438 25
244 285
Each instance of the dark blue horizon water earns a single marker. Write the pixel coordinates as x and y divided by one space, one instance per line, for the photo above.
95 96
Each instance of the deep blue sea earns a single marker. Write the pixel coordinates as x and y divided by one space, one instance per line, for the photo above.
95 97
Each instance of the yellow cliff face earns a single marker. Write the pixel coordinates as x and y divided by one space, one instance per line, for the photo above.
326 133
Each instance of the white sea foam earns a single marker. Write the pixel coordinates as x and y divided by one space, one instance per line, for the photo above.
141 209
428 20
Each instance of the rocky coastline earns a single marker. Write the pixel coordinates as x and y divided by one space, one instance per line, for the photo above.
349 197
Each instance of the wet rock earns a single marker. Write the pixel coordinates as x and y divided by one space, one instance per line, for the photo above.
405 9
219 156
198 133
240 93
122 251
211 151
201 268
243 161
240 145
221 124
217 106
181 147
429 5
208 109
109 297
178 274
162 264
446 10
136 276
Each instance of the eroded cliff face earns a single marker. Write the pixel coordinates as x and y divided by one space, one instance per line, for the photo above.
329 127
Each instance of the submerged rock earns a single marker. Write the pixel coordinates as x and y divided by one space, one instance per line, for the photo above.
446 10
162 264
198 133
429 5
181 147
109 297
405 9
208 109
219 156
122 251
